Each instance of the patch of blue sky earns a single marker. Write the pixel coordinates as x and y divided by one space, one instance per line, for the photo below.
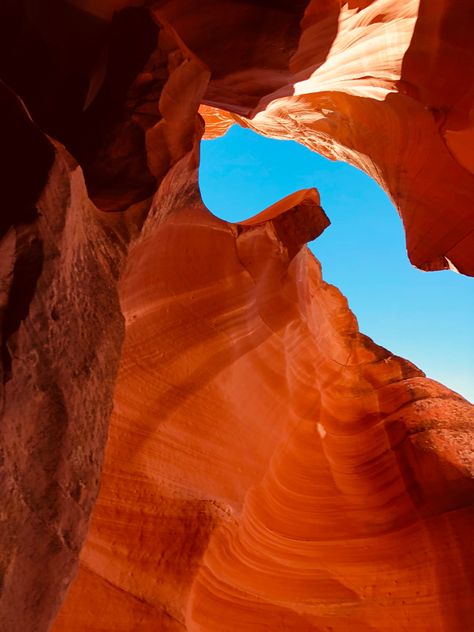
425 317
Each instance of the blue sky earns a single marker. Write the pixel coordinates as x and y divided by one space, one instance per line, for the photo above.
425 317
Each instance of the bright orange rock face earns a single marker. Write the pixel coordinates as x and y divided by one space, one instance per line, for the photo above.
267 466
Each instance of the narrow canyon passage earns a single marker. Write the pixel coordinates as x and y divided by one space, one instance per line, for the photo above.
196 434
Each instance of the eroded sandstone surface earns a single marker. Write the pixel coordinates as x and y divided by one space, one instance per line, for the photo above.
267 466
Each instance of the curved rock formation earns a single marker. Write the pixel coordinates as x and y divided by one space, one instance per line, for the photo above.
393 97
267 466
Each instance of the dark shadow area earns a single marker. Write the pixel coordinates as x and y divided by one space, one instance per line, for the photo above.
438 66
26 158
95 85
74 72
47 52
249 45
26 272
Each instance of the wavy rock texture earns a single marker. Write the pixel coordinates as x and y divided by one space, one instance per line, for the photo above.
267 466
394 97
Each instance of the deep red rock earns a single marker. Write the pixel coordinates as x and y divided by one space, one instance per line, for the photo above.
61 336
267 466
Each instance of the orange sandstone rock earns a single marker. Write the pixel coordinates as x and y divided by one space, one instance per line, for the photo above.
394 96
267 466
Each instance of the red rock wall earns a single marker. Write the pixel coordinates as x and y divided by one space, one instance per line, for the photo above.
267 466
61 332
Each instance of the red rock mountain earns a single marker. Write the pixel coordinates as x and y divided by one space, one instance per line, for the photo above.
195 436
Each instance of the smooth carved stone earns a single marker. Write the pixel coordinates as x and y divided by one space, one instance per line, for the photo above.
267 467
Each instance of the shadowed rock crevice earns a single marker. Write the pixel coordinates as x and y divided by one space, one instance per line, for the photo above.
75 75
26 157
26 272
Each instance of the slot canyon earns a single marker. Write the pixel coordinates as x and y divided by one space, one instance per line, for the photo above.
195 435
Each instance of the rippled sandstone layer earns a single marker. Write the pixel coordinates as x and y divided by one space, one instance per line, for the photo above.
267 466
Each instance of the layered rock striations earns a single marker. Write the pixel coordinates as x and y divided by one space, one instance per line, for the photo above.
267 466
